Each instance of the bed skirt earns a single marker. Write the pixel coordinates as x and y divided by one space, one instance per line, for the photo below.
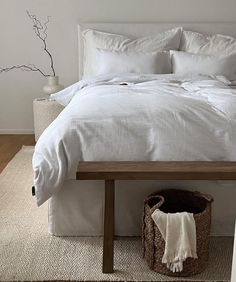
77 210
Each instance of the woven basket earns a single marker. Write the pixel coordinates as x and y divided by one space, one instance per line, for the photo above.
172 201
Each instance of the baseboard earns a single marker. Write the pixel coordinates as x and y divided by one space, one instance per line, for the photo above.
16 131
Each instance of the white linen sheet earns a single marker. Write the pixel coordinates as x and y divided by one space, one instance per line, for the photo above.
151 117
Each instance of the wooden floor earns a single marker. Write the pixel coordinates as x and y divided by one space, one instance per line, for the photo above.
10 144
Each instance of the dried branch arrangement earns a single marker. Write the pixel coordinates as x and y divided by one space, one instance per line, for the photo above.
40 29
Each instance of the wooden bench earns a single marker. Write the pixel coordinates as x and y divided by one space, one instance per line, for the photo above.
111 171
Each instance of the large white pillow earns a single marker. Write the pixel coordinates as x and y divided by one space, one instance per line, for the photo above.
132 62
217 45
93 39
189 63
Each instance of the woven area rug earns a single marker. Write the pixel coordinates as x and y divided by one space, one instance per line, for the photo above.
29 253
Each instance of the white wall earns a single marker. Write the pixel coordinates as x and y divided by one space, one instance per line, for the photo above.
19 45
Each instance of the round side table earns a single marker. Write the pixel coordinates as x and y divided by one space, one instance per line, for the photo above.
45 111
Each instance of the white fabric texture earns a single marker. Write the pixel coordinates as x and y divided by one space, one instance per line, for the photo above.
189 63
132 62
179 232
137 121
93 39
216 45
69 214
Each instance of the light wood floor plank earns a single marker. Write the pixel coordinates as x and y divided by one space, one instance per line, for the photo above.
10 144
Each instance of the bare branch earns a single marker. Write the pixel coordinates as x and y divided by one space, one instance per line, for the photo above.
41 32
29 67
46 27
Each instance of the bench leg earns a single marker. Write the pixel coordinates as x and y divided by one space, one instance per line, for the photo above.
108 237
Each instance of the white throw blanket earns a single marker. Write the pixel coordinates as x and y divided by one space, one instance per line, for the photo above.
179 232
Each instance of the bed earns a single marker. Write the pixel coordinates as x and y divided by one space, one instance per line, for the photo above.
77 209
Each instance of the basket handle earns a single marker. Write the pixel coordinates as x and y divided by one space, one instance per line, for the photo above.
207 197
160 203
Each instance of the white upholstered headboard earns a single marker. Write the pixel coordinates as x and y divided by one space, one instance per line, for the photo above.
146 29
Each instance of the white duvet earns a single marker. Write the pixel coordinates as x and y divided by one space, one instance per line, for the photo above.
134 118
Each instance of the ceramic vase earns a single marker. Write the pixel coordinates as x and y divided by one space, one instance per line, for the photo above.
53 85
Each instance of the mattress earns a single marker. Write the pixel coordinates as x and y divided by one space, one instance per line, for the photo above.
77 209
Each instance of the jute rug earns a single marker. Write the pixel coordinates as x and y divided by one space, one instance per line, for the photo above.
29 253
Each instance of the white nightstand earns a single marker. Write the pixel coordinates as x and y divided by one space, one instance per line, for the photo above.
45 111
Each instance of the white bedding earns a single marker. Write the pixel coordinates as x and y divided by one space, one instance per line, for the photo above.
93 39
153 117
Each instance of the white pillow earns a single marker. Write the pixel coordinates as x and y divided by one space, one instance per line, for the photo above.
217 45
168 40
132 62
188 63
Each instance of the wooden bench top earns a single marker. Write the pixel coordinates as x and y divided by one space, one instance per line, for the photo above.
152 170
